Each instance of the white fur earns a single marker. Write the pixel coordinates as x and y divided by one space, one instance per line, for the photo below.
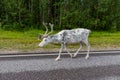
79 35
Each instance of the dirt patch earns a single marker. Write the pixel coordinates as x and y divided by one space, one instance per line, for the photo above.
40 50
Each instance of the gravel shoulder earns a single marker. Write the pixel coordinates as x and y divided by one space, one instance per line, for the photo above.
44 50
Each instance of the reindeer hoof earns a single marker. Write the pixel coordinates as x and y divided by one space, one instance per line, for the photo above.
57 59
87 57
74 55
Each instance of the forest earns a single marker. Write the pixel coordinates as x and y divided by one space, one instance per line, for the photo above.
99 15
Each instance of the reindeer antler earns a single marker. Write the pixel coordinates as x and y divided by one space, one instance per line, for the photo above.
46 32
45 24
51 26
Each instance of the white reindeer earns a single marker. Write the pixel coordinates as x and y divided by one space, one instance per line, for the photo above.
79 35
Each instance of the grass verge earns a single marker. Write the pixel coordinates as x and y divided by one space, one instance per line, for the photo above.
27 41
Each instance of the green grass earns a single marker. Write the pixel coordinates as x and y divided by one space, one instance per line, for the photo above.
105 40
27 41
18 40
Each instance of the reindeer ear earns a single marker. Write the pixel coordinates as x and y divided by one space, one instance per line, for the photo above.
39 37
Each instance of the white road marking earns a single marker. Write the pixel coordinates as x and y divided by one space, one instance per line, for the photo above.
54 54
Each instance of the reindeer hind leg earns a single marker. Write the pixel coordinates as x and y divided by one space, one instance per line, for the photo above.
68 51
88 48
75 54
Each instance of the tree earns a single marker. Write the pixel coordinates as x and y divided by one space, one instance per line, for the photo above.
29 14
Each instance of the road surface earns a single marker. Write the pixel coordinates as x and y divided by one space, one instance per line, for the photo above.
97 67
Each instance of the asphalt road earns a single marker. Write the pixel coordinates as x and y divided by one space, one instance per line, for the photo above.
97 67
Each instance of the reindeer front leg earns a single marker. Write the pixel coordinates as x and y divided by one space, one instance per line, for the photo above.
61 49
88 48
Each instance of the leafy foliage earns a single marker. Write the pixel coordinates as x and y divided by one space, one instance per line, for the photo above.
65 14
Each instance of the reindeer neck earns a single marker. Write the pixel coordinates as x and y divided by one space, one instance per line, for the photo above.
54 38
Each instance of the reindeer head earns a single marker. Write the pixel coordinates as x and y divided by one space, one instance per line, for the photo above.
46 34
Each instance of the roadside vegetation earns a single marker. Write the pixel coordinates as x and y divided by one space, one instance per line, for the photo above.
27 41
21 21
98 15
